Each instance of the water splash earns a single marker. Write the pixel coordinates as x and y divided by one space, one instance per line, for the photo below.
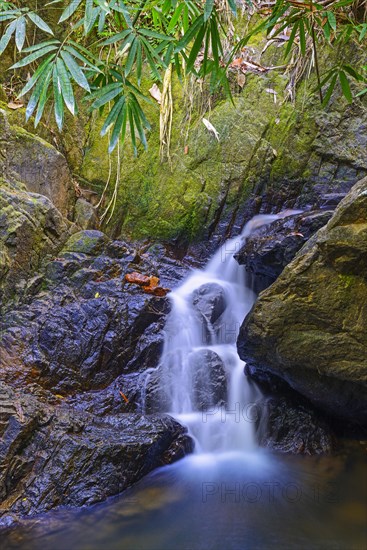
201 377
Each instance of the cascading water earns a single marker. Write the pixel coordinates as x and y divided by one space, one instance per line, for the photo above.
201 377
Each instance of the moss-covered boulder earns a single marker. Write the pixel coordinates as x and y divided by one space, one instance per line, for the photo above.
310 327
31 227
33 161
88 242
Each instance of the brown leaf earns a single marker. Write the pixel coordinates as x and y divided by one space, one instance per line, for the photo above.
15 106
137 279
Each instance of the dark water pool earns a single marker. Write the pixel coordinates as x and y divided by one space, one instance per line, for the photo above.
226 502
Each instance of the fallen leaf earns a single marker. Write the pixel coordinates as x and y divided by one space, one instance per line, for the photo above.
15 106
137 278
156 93
124 397
210 127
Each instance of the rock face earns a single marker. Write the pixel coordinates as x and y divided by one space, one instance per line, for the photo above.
310 327
30 228
271 247
285 426
30 159
70 430
55 455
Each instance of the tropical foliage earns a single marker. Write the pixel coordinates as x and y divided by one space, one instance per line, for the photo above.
103 47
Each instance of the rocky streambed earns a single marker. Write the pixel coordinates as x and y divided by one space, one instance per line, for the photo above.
77 339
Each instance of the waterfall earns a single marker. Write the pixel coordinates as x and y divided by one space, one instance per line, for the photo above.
200 376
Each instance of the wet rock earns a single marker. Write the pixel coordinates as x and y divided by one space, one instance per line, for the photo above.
270 248
85 215
209 380
54 456
210 301
310 327
30 159
285 426
84 326
86 242
30 228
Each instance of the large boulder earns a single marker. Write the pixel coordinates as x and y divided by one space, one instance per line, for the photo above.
271 247
310 327
53 455
31 227
79 324
35 162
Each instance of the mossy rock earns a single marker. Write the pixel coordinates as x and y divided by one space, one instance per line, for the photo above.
89 242
310 327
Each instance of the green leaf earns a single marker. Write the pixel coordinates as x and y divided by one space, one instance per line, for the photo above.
302 37
131 57
20 33
345 86
40 46
32 103
58 103
331 19
189 35
65 84
30 58
43 98
81 58
153 34
291 38
105 98
75 70
39 22
5 39
209 4
117 37
119 129
32 81
69 10
112 116
175 17
196 48
90 16
132 130
330 90
232 5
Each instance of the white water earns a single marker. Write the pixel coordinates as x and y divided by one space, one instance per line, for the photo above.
228 427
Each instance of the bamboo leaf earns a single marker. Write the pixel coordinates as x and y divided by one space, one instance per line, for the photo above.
345 86
112 116
131 57
302 37
5 39
65 85
41 45
69 10
331 19
32 103
58 103
43 98
39 22
330 90
36 55
75 71
20 33
119 129
208 8
32 81
109 96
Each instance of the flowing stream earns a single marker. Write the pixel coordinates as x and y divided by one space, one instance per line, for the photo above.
229 494
200 356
